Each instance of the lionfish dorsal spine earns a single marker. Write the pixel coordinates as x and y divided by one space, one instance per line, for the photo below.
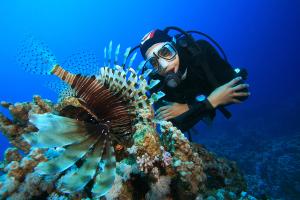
126 54
117 54
104 51
132 59
109 53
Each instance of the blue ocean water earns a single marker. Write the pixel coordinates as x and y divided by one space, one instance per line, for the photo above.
262 36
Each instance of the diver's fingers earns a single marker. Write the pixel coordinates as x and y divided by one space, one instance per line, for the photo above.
234 81
164 112
167 116
241 94
236 101
159 114
240 87
163 117
162 108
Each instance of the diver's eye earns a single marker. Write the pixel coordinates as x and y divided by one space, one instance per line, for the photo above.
165 52
154 62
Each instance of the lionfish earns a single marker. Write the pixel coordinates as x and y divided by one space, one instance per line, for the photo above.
110 100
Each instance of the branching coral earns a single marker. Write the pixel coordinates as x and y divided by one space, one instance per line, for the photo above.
186 163
14 129
19 180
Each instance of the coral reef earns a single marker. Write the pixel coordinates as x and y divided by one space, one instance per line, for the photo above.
13 129
158 165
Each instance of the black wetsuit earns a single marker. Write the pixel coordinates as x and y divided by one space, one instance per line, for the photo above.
196 83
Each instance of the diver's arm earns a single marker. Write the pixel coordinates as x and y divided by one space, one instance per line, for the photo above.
197 111
226 94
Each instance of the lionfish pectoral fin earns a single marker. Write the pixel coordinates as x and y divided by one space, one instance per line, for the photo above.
68 158
55 131
106 178
76 181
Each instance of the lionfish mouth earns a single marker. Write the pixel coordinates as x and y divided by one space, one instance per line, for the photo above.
110 106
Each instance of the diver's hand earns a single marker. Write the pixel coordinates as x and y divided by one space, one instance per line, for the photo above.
228 93
170 111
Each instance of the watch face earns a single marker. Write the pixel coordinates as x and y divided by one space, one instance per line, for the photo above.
200 98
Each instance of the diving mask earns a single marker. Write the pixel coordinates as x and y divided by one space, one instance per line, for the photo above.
162 55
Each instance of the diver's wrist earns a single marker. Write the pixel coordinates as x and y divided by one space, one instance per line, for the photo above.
214 103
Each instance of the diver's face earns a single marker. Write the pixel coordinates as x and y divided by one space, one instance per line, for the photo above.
163 58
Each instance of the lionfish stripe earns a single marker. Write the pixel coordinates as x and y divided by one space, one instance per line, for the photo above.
133 76
92 89
66 159
122 78
85 87
82 85
79 83
113 80
63 74
142 86
102 73
105 179
86 172
55 131
99 98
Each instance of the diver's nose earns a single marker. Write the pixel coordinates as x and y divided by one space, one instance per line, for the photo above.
163 63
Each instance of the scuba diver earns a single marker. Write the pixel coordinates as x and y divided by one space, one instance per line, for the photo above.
192 74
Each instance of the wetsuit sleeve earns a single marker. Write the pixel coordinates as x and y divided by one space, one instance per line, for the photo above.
197 111
200 110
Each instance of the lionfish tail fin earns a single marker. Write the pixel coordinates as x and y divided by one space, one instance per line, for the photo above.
36 57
